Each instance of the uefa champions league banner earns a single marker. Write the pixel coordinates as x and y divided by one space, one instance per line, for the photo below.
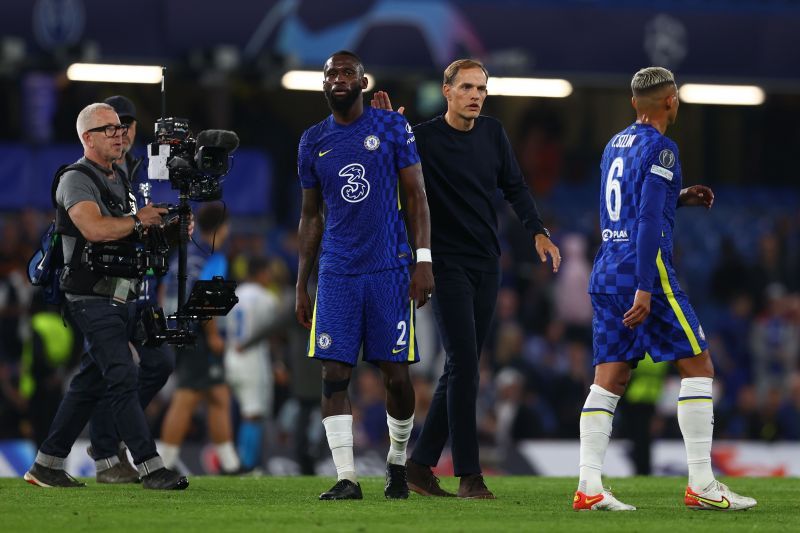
743 39
543 458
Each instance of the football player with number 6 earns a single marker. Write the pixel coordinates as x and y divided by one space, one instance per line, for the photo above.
638 304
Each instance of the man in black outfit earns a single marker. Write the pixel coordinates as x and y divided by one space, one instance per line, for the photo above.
465 158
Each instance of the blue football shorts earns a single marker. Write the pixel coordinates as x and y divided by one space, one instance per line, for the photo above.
671 331
369 311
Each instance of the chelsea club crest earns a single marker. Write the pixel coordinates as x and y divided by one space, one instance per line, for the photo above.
324 341
372 142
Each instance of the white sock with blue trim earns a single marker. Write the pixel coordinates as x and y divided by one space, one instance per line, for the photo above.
596 421
696 420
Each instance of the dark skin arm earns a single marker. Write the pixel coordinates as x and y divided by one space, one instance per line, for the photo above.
696 195
309 236
419 219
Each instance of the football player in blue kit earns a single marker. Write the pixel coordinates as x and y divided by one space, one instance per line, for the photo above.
354 163
638 304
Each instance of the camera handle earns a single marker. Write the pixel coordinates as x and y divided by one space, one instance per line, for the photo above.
184 215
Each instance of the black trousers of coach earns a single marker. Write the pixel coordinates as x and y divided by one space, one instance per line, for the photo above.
463 304
107 372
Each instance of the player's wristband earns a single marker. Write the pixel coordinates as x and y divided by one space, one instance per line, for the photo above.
424 255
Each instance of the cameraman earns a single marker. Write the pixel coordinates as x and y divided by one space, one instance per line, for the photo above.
103 307
155 362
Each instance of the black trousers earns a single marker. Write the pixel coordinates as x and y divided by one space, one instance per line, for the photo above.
107 372
155 366
463 304
638 420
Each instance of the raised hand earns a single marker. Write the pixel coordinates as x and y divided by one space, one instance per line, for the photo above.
380 100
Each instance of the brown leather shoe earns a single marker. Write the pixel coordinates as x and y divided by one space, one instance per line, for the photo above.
422 481
472 487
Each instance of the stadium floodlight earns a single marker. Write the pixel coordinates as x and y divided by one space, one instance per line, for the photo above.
541 87
114 73
311 80
696 93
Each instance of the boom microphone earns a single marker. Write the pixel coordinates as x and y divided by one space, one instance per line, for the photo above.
222 138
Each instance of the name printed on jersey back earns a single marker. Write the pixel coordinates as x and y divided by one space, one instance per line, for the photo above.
634 157
623 141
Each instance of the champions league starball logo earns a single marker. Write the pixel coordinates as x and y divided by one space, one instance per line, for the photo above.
666 158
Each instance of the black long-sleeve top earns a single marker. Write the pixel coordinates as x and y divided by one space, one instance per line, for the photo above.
463 170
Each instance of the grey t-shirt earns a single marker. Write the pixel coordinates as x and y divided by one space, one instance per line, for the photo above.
75 187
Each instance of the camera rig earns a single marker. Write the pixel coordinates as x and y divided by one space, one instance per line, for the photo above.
193 167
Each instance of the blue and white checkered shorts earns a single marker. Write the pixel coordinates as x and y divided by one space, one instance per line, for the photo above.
671 331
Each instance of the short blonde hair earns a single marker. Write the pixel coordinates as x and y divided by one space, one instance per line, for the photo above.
651 79
452 69
86 117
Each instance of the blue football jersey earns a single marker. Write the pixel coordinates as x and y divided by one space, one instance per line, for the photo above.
356 168
639 165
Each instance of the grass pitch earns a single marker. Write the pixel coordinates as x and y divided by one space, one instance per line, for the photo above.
290 504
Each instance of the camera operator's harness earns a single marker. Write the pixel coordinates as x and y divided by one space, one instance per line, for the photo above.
92 264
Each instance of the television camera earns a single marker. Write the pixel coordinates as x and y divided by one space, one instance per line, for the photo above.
195 168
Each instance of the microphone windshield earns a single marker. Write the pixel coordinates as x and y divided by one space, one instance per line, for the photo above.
223 138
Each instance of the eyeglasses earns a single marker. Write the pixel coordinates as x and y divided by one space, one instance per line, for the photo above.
110 130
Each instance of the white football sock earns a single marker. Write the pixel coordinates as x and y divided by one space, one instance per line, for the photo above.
399 433
339 430
696 420
169 454
596 420
228 459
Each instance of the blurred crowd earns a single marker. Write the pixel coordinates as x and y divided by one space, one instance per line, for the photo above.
739 263
536 364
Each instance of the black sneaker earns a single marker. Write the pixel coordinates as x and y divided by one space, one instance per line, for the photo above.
41 476
343 490
396 482
165 479
122 472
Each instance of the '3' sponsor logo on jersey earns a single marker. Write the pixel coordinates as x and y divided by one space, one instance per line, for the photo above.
357 187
